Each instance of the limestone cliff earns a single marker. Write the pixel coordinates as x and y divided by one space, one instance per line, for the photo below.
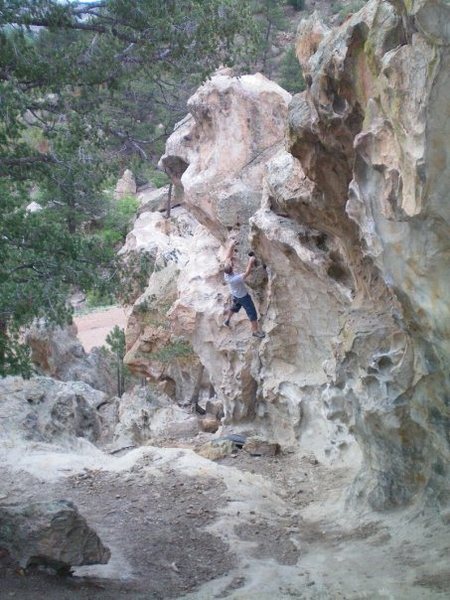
340 191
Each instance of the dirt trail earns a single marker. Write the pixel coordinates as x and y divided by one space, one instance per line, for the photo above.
245 528
95 326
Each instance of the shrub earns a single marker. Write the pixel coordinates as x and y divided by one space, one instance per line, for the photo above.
291 76
117 221
297 4
177 348
351 8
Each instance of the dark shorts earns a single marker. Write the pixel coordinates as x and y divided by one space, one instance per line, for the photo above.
248 305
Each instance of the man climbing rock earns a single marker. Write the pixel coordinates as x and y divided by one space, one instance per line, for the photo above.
241 297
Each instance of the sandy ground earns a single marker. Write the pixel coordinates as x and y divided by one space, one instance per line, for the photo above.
244 528
95 326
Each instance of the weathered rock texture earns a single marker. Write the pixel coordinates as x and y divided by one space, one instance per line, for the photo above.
219 151
351 219
57 352
44 410
144 415
52 533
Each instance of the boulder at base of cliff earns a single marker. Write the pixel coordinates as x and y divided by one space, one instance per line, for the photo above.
53 534
256 446
217 449
44 410
144 415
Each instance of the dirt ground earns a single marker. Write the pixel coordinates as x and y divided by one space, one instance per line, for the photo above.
95 326
244 528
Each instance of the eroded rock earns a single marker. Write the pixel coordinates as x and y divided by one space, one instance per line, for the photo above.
58 353
46 410
216 449
126 185
256 446
144 414
351 220
52 534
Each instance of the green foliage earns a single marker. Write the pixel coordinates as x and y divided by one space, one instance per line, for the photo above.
348 9
145 172
39 265
159 179
85 87
116 341
96 298
270 20
118 219
175 349
291 76
297 4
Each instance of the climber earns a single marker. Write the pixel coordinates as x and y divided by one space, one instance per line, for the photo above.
241 297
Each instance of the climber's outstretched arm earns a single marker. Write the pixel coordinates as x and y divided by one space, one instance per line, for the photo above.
229 254
250 264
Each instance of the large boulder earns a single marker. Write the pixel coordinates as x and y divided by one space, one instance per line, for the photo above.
57 352
370 302
217 154
222 189
45 410
156 350
151 200
144 415
52 534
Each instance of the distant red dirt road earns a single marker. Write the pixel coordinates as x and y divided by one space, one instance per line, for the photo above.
95 326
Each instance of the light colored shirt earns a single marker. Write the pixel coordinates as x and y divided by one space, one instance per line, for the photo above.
236 283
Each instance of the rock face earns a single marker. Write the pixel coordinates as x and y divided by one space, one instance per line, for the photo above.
44 410
377 166
144 415
219 151
58 353
53 534
350 217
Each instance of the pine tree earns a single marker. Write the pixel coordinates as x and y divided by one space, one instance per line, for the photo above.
84 87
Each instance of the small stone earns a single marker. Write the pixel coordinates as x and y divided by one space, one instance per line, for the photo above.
259 447
216 450
209 424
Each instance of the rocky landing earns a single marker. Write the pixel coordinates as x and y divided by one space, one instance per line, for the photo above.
50 534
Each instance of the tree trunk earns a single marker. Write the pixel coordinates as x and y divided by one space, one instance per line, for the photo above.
266 48
169 202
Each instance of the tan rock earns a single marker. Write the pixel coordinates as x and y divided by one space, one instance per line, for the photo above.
152 200
126 185
310 34
214 408
222 188
216 450
258 447
351 220
57 352
209 424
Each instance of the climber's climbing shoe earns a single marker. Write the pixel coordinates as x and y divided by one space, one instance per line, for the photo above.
259 334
